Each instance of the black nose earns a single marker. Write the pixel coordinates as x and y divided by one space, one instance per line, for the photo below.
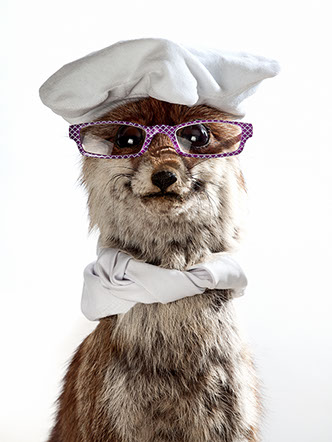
163 179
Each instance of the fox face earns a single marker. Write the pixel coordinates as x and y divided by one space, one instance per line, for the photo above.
162 204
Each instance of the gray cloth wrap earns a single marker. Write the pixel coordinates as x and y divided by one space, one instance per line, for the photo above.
116 282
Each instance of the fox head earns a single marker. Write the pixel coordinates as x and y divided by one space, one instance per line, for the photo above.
162 207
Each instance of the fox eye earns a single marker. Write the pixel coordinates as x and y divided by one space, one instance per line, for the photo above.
129 136
197 135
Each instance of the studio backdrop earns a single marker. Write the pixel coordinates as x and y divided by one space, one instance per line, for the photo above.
285 312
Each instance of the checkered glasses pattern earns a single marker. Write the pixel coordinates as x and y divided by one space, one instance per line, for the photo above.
198 139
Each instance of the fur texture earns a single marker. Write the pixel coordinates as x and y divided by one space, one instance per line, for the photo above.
175 372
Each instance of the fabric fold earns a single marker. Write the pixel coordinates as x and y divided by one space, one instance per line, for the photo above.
116 281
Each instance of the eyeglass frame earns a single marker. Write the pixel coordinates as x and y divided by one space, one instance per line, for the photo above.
151 131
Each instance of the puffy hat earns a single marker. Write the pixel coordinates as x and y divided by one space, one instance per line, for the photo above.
87 88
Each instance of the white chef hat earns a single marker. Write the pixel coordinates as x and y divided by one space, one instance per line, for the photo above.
85 89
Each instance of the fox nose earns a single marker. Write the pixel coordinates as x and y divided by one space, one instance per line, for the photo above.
163 179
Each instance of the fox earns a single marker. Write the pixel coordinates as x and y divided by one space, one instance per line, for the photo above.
180 371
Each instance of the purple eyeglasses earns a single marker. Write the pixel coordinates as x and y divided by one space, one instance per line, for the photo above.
198 139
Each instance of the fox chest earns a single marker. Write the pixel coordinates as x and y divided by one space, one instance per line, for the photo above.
212 402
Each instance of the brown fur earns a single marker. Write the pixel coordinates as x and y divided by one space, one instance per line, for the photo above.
174 372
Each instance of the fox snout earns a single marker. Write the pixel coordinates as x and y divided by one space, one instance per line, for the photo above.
163 179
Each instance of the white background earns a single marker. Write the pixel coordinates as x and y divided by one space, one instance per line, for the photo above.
286 311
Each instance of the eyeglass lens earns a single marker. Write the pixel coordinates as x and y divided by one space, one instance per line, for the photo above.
112 139
209 138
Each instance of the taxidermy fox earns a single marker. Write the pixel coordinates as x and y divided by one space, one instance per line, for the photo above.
163 372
